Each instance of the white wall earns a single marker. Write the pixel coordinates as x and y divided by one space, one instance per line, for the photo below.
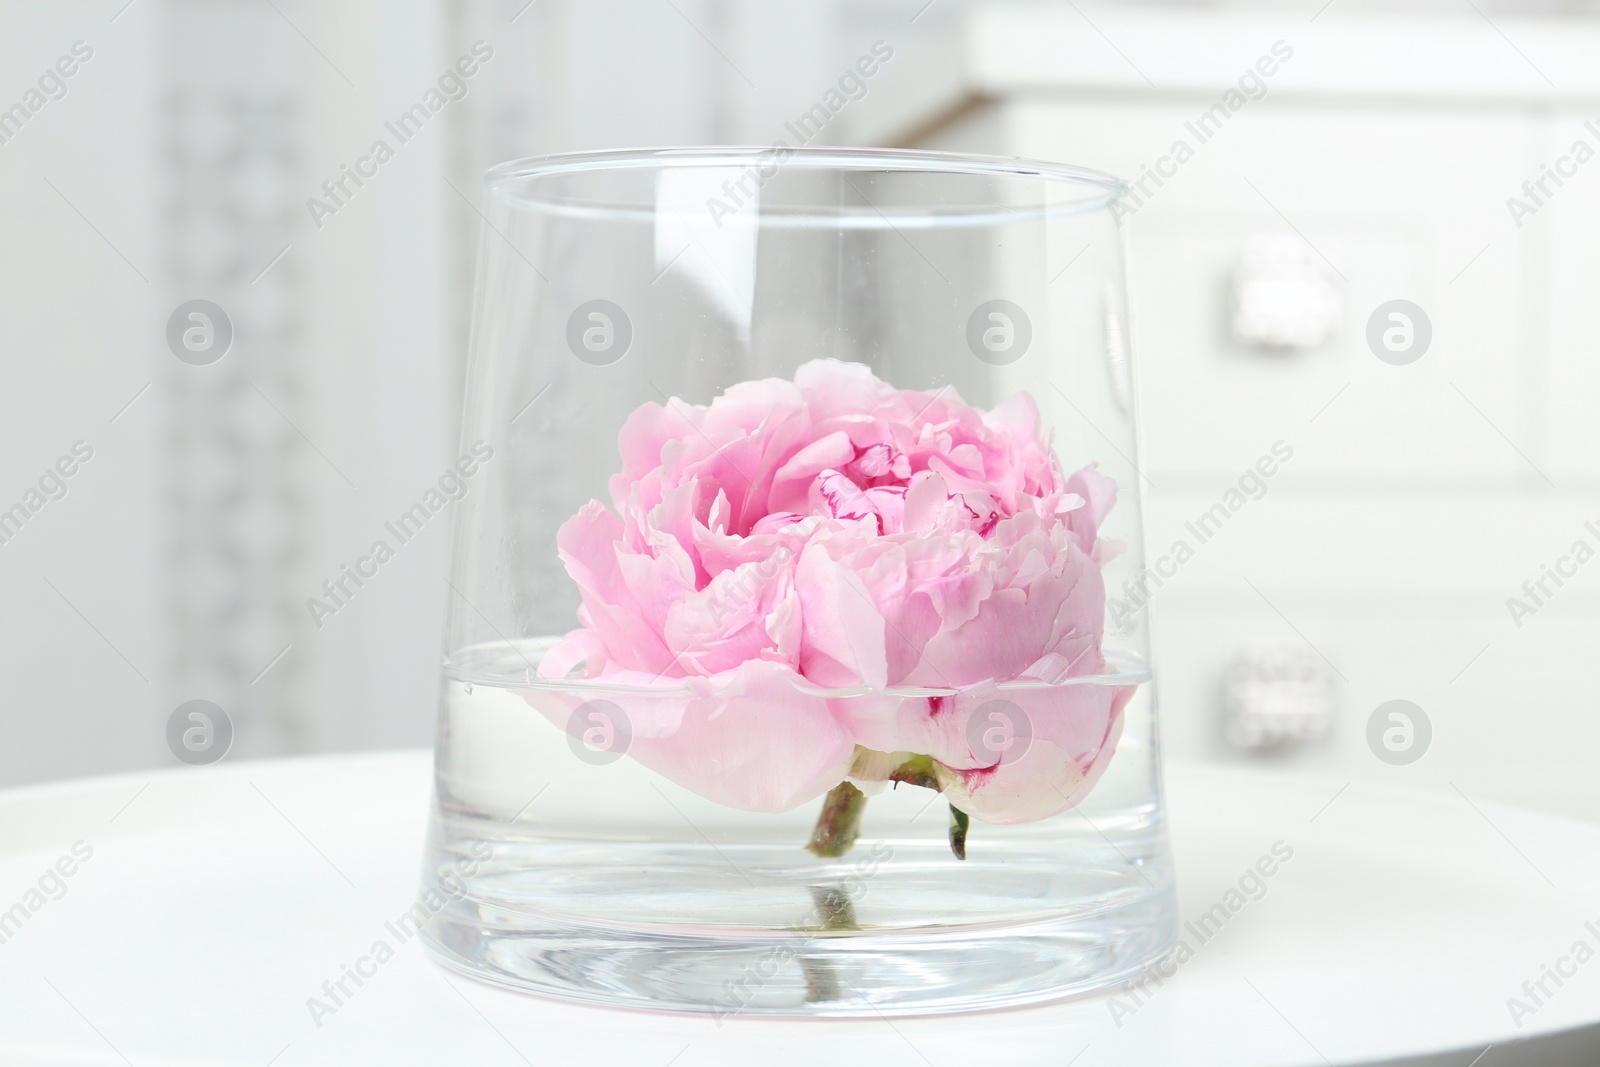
181 158
178 165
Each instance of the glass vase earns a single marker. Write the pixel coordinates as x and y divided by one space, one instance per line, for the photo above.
796 662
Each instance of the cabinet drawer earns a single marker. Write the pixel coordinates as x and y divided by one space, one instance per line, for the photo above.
1568 223
1507 728
1401 202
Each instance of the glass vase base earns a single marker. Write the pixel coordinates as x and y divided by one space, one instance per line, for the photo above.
808 973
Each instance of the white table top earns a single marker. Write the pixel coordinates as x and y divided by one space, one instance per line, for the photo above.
217 900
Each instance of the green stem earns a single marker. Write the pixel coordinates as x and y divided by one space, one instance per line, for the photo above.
834 908
958 832
822 981
834 912
840 822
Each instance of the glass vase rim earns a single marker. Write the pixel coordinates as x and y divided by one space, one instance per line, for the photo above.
1102 188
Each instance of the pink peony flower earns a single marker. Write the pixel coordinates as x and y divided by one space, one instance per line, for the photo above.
827 579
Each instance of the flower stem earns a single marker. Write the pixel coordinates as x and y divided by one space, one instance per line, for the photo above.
840 822
835 911
958 832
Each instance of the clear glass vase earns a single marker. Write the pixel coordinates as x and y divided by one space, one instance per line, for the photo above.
795 663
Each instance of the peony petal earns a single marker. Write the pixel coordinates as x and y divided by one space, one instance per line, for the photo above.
587 544
1062 739
759 745
580 654
1016 625
721 626
925 502
791 484
843 636
1101 494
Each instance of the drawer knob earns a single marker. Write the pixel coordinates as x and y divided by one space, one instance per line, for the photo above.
1277 692
1285 296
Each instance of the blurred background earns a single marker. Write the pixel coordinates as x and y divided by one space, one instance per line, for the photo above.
1298 167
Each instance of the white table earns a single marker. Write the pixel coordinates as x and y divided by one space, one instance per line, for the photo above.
217 900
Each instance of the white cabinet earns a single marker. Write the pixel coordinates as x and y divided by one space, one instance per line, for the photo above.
1568 223
1398 202
1420 496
